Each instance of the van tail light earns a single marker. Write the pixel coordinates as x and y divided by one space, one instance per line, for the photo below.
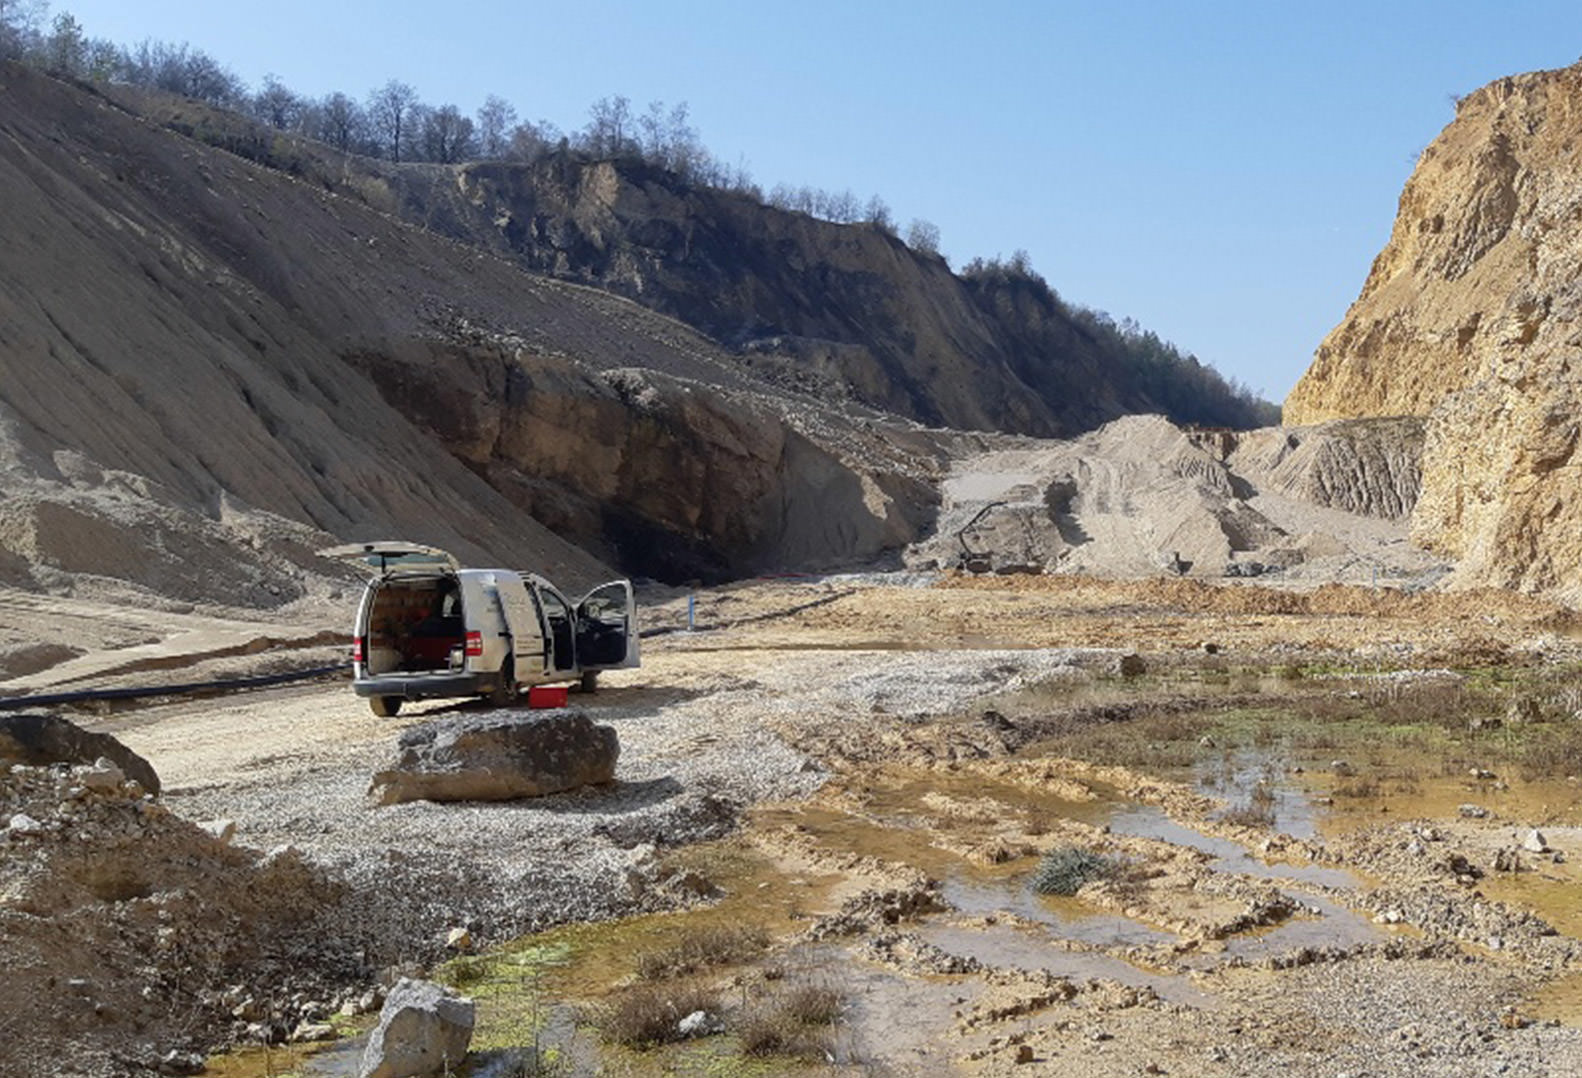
474 644
357 649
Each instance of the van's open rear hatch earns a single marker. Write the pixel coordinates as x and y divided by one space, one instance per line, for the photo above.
389 556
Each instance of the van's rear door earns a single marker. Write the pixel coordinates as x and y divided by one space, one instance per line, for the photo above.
607 627
388 556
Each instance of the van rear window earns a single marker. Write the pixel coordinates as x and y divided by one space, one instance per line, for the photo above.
414 560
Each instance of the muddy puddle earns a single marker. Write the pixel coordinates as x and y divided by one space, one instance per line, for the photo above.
341 1059
1560 1000
1532 804
1014 947
1146 821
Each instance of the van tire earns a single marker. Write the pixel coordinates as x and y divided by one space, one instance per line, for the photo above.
590 681
504 692
384 706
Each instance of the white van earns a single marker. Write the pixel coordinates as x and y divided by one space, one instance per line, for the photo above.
427 628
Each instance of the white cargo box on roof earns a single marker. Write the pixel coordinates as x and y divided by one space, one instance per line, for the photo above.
428 629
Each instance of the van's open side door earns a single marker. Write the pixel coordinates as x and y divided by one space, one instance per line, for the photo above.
607 627
529 643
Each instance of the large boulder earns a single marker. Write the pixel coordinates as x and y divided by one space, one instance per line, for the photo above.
498 758
423 1030
38 739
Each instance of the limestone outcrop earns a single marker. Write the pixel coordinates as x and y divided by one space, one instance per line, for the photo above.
662 475
1470 319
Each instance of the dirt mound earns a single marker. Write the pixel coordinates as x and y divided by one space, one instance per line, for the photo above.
1142 497
209 368
1368 467
125 927
1492 606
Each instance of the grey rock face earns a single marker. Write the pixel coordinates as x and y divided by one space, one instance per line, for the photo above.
423 1030
498 758
38 738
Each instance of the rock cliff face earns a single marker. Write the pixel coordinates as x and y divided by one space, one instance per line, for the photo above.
1470 318
844 308
661 474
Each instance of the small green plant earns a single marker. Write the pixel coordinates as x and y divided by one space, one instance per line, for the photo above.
465 971
1065 869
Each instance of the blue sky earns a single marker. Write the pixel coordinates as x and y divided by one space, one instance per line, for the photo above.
1222 172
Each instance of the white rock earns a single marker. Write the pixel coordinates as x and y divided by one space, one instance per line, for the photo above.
308 1032
1535 842
224 830
23 824
423 1030
458 939
699 1024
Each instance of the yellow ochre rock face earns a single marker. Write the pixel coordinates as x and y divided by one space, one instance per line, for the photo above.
1469 318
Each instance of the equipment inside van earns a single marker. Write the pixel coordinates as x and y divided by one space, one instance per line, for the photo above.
428 629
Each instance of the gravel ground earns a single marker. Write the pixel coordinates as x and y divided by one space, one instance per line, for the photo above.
698 745
707 728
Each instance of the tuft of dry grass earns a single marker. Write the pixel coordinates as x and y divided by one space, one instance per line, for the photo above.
1358 788
813 1004
1553 753
797 1021
1256 812
647 1015
703 948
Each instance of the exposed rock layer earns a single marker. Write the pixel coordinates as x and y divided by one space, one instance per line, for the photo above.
1470 319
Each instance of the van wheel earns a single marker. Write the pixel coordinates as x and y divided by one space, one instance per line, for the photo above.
590 681
384 706
504 692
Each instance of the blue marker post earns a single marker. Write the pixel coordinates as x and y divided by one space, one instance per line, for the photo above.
692 610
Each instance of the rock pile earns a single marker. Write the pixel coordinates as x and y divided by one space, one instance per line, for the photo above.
130 932
38 737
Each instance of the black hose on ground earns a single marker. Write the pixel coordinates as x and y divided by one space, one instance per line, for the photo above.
192 687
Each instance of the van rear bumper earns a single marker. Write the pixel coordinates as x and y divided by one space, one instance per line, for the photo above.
424 686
